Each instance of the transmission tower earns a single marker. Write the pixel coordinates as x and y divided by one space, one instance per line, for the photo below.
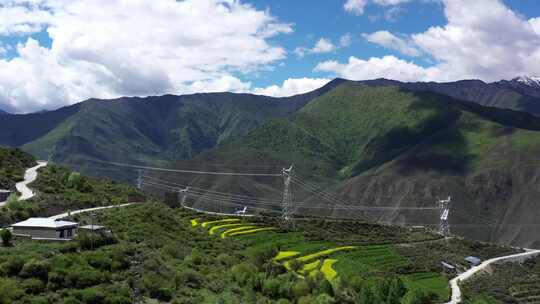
286 202
444 225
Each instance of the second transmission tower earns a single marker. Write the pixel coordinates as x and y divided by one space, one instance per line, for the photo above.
286 202
444 225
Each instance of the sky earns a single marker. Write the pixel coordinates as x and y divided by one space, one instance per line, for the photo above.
58 52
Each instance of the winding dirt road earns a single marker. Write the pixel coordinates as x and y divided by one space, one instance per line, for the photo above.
30 175
454 283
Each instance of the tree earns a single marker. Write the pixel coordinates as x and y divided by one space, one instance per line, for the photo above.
419 296
396 291
366 296
6 237
75 180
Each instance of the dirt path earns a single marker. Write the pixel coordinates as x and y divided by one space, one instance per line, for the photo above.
66 214
29 176
454 283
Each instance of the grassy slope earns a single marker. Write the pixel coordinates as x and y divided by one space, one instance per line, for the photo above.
354 128
13 163
158 254
155 129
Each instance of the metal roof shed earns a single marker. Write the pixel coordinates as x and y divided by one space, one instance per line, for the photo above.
39 228
474 261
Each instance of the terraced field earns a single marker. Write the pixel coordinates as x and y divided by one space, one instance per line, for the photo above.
299 253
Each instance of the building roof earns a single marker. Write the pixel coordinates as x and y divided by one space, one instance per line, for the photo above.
91 227
5 191
473 260
40 222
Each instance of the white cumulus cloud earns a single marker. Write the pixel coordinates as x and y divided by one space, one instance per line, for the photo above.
391 41
136 48
292 86
355 7
323 45
483 39
389 67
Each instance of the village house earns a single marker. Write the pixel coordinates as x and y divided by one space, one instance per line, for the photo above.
45 229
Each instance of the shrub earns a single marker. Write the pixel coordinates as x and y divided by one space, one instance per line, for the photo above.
98 260
301 288
419 296
75 180
13 266
243 273
324 298
92 296
118 300
39 300
225 259
71 300
35 269
190 278
261 256
162 294
85 277
194 258
9 290
6 237
306 300
271 288
33 286
295 265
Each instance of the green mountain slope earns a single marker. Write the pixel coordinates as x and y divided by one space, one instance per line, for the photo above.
385 146
145 130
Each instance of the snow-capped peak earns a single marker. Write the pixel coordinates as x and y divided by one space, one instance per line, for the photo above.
532 81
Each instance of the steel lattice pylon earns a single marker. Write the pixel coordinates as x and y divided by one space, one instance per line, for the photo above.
286 202
444 226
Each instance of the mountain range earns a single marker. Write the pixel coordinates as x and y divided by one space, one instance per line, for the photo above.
376 143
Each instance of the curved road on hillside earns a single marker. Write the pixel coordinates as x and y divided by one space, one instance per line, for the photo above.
30 175
69 213
454 283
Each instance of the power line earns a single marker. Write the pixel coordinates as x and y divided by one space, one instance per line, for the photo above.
188 171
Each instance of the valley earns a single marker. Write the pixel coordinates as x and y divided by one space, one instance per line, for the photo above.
370 164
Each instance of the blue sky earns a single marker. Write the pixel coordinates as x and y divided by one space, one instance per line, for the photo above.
54 53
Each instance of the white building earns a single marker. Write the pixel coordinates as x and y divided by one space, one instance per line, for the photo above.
45 229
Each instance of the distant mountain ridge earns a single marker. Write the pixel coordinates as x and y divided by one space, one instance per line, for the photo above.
146 129
520 94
